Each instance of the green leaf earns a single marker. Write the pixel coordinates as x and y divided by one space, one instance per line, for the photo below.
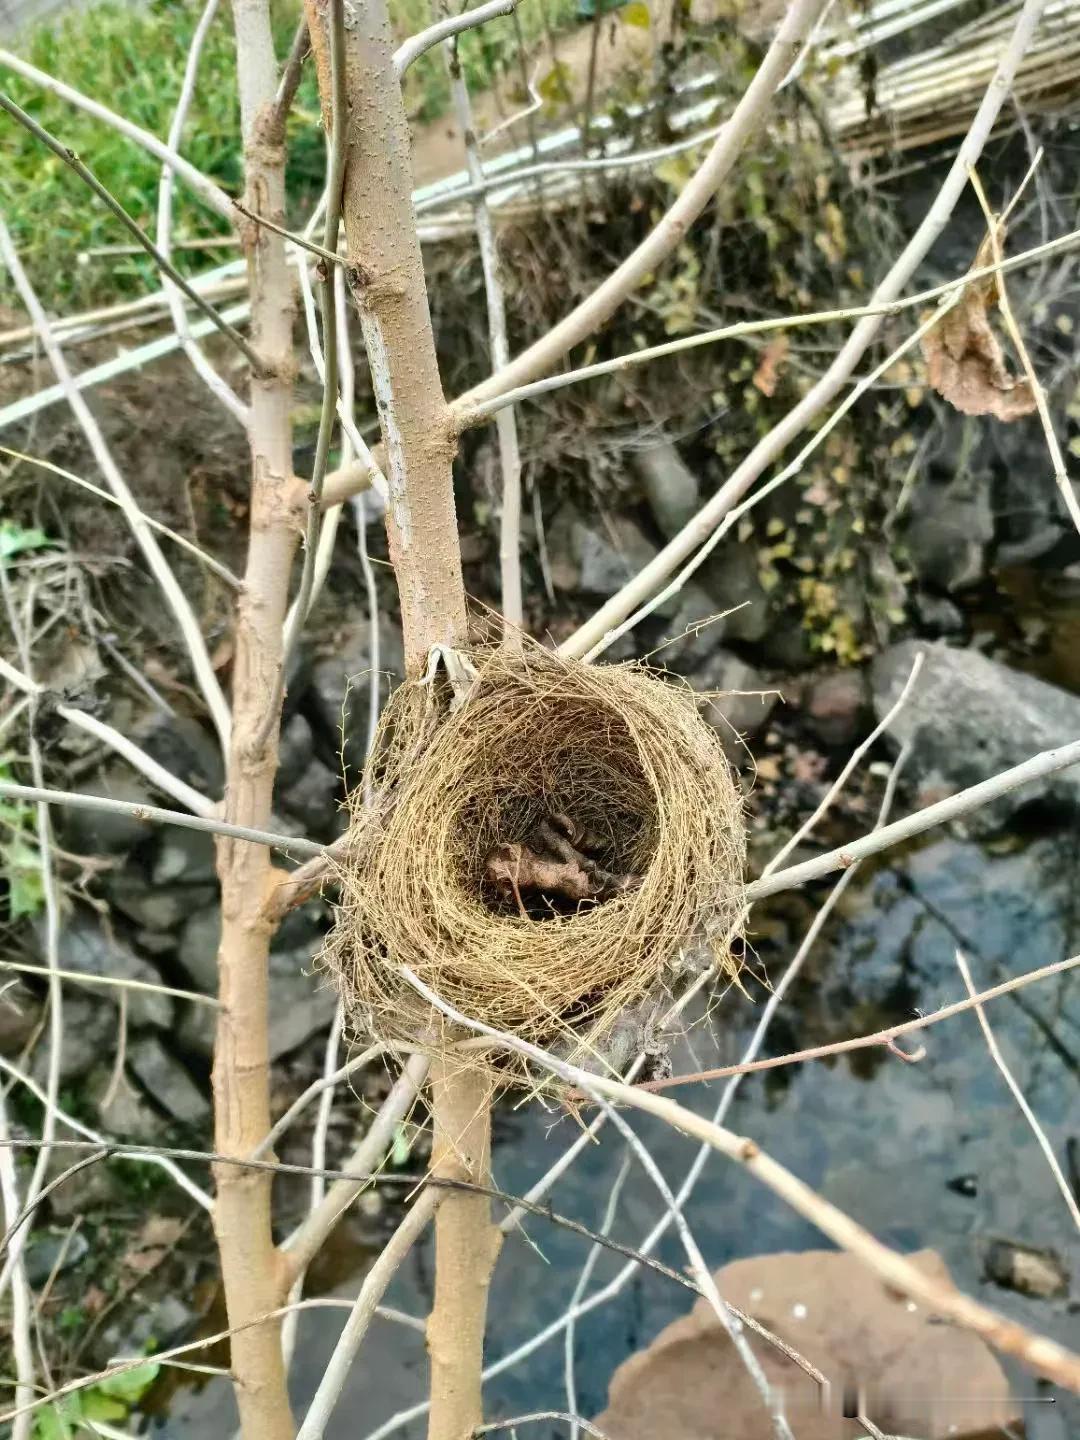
98 1406
22 869
636 14
400 1151
58 1420
130 1385
14 539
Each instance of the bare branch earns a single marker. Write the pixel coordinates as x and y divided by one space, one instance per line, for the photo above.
195 801
77 801
416 45
164 265
700 527
505 421
116 981
291 74
597 308
222 571
214 382
1057 460
1048 762
174 595
540 1415
304 1243
211 194
21 1343
1018 1094
1037 1352
371 1292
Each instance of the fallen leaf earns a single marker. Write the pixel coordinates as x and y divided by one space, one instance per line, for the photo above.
153 1242
965 363
917 1377
767 374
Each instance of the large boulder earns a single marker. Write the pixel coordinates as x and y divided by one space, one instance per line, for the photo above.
917 1376
970 718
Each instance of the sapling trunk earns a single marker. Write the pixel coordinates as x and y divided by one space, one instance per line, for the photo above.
386 276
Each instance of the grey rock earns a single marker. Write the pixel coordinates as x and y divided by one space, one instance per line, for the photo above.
153 907
1040 1274
610 554
295 751
187 749
938 616
91 1031
126 1114
163 1078
671 489
1031 544
970 718
337 700
949 529
95 832
45 1249
731 577
734 715
312 800
692 633
197 951
185 856
834 705
301 1004
85 946
20 1012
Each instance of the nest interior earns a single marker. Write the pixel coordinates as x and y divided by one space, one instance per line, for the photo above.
539 855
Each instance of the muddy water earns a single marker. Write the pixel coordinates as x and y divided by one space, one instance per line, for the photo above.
928 1154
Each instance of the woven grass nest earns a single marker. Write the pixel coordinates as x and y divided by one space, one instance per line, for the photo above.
542 848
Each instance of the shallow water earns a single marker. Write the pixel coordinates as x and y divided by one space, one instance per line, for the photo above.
878 1137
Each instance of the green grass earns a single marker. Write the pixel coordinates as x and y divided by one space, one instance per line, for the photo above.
132 59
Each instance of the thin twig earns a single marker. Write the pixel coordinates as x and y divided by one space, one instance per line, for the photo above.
74 800
376 1280
118 982
215 383
211 194
506 420
1057 460
878 1037
291 74
174 595
1036 1352
329 257
1049 762
415 46
153 770
578 1421
132 226
1018 1094
339 119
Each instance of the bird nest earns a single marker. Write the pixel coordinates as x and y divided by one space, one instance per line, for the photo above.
547 840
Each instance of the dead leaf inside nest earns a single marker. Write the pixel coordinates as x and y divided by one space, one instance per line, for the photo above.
965 362
553 863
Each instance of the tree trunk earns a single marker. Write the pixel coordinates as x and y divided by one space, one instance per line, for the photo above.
250 1263
386 274
466 1248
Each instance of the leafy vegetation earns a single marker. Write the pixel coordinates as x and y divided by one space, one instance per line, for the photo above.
109 1401
133 59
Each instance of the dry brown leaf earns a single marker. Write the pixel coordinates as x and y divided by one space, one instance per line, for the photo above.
964 360
772 359
553 861
917 1377
154 1241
